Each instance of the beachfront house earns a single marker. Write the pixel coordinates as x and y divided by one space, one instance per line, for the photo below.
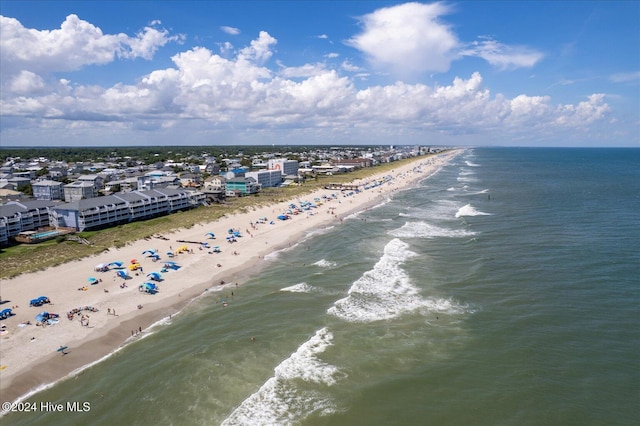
240 186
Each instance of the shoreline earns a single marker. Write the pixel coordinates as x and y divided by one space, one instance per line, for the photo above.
29 355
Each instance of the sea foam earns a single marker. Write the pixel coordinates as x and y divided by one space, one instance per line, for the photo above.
323 263
298 288
469 210
279 401
384 292
423 229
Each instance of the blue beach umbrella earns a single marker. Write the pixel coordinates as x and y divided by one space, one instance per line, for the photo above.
116 264
155 276
123 274
92 280
151 252
210 235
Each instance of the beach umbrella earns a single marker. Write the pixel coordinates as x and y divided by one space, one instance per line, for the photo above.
123 274
151 252
155 256
92 280
210 235
117 264
154 276
132 261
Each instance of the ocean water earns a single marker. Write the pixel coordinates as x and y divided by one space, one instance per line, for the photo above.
503 290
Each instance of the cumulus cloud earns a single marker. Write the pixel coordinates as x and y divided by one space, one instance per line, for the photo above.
411 39
75 44
407 39
204 92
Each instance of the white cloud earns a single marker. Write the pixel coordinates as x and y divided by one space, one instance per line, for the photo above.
260 49
75 44
407 39
27 83
305 70
502 56
240 97
625 77
230 30
348 66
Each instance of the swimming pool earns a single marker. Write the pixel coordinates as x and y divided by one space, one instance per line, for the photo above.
47 234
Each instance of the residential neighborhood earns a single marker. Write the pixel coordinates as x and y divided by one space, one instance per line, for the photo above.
39 195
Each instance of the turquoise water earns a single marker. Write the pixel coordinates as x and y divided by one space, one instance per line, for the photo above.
46 234
502 291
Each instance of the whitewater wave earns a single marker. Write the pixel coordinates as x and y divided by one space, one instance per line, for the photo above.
422 229
466 179
280 401
386 292
469 210
470 164
298 288
323 263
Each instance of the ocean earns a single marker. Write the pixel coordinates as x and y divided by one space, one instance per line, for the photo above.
502 290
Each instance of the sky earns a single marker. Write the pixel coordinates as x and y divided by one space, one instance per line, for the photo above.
465 73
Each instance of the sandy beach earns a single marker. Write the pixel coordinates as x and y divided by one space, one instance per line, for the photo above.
29 353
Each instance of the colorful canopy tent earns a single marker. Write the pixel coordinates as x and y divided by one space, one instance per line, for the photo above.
171 265
149 288
101 267
155 276
210 235
123 274
6 313
116 264
39 301
134 266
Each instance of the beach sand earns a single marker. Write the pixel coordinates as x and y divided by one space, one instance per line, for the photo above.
29 354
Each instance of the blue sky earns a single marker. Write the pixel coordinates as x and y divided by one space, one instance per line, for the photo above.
478 73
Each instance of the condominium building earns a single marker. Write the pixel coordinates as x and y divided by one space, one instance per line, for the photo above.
122 207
